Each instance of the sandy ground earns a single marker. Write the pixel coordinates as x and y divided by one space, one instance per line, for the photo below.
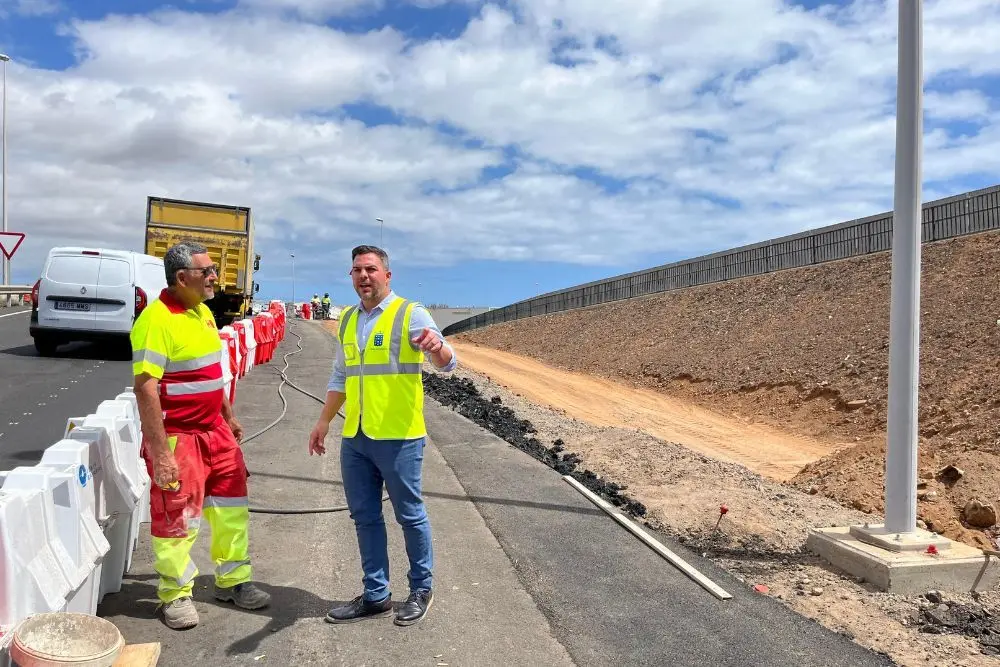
761 448
761 538
807 351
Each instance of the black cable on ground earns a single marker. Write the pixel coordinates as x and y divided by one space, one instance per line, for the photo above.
284 410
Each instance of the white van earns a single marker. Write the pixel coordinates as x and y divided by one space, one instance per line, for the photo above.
88 294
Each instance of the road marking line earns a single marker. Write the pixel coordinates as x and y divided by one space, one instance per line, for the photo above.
652 543
20 312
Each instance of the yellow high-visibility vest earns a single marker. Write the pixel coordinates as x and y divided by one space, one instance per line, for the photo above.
384 386
182 349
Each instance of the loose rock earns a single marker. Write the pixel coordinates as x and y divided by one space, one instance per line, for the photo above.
979 514
950 474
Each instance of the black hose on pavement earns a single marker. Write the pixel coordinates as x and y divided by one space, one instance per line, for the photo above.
284 410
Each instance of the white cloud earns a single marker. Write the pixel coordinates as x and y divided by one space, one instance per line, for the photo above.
798 103
959 105
28 7
314 10
720 123
322 10
271 65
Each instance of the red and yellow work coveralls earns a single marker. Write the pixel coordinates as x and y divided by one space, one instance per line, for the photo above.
181 347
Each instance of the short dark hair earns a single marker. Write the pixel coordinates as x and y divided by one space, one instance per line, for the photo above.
371 250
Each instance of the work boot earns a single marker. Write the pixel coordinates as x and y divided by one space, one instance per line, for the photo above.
180 614
358 609
244 596
415 607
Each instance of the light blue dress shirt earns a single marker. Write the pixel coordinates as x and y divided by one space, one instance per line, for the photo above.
420 319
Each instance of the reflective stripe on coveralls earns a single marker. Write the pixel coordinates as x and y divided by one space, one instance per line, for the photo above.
182 348
177 516
384 384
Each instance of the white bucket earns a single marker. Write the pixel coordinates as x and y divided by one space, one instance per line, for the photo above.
64 638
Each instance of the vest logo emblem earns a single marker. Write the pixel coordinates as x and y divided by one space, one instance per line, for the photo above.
379 339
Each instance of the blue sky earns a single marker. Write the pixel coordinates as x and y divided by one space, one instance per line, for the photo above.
511 147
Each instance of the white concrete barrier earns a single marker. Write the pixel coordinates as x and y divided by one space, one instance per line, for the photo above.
128 396
31 576
70 531
117 497
70 525
78 458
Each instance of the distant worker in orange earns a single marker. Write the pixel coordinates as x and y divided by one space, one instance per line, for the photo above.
190 441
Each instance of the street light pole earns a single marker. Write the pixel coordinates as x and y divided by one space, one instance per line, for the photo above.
3 139
904 313
293 280
380 223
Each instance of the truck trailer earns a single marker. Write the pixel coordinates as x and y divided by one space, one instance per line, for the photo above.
227 232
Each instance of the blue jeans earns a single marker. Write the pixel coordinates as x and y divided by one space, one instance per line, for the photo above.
365 464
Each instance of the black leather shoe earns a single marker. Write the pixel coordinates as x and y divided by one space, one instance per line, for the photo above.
415 607
358 609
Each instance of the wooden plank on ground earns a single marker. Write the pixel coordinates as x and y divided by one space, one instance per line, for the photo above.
139 655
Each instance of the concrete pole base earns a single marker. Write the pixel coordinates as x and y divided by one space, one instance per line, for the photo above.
918 540
906 569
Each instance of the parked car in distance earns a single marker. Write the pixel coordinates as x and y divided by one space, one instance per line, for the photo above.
92 294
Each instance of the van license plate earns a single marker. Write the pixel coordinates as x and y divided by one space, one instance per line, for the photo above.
72 305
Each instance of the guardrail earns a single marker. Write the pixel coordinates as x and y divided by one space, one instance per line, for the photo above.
11 293
960 215
70 524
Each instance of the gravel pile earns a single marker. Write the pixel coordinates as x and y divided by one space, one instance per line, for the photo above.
938 616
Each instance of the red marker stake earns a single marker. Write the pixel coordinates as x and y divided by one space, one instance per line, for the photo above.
722 512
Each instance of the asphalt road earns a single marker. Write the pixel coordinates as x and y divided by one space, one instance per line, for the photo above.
310 562
596 593
38 394
611 599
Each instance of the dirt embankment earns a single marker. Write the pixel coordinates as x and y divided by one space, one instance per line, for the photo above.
766 450
807 351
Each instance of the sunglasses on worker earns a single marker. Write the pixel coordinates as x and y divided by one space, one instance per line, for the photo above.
205 270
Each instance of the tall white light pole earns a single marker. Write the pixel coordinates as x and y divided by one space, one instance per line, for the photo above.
3 138
380 223
904 316
292 255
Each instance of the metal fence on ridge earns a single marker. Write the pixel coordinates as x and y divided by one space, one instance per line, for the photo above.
960 215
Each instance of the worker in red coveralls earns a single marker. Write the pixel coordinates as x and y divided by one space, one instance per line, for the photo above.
191 441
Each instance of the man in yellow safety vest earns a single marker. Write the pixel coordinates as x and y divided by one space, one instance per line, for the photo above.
190 440
377 378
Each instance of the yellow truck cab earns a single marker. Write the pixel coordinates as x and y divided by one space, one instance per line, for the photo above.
227 232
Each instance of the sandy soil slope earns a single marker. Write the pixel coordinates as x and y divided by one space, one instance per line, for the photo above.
761 448
806 351
761 538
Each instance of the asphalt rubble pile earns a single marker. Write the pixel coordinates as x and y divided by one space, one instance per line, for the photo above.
461 395
939 616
